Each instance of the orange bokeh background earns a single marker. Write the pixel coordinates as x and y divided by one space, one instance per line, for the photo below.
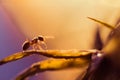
66 20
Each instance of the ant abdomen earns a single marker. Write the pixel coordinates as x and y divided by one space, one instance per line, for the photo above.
26 45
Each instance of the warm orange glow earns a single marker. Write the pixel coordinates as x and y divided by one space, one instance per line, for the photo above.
64 19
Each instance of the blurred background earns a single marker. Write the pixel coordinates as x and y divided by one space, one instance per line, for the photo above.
66 20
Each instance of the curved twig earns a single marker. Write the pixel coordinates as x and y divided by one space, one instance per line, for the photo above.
103 23
49 53
51 65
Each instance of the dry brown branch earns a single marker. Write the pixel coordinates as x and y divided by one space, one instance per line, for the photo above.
52 64
103 23
49 53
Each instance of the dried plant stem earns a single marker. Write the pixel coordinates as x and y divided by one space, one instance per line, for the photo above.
103 23
49 53
52 64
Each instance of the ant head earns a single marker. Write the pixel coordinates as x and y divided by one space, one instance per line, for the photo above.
41 38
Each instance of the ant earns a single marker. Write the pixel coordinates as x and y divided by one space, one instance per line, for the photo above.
36 43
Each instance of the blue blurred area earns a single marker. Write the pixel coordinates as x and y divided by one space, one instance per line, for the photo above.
11 40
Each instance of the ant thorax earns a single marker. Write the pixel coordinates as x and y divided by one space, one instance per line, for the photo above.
34 41
37 42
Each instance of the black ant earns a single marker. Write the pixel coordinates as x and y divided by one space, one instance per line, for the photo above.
36 43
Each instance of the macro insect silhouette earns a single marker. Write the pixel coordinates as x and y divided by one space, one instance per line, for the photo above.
35 43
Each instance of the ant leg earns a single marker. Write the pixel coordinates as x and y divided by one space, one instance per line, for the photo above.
40 48
45 45
42 44
34 46
37 47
